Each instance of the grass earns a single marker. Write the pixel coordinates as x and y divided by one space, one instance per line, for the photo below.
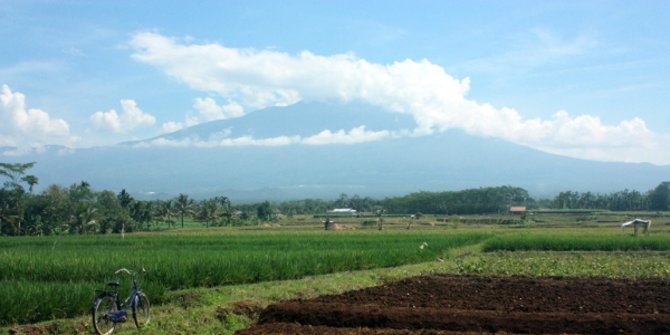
210 309
55 277
646 264
202 310
571 242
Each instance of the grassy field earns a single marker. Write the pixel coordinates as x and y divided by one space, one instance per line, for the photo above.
197 276
54 277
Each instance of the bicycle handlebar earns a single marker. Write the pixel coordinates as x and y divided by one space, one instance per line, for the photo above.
123 270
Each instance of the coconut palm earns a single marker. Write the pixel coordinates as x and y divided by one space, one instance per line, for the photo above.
164 211
226 208
209 212
84 220
8 218
184 206
16 174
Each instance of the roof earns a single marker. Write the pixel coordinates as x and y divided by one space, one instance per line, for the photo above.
342 210
516 209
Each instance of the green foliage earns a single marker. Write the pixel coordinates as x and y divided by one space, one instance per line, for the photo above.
368 223
12 196
554 242
659 198
184 206
51 269
24 301
644 264
264 211
16 173
471 201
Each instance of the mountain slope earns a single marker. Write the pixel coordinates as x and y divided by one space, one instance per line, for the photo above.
302 119
447 161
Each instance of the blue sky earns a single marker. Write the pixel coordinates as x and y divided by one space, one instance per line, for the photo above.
587 79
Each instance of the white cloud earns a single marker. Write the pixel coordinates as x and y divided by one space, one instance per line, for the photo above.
131 117
437 101
172 126
227 142
355 135
207 110
25 128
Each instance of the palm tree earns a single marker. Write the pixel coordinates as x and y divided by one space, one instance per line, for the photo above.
16 173
83 219
226 208
164 212
184 206
7 216
31 181
209 212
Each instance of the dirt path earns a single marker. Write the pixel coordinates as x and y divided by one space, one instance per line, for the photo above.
480 305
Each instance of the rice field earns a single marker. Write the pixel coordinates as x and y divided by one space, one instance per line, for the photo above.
44 278
614 264
572 242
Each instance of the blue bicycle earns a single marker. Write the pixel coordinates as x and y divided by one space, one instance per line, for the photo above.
108 310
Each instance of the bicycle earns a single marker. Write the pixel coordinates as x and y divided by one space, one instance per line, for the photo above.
108 310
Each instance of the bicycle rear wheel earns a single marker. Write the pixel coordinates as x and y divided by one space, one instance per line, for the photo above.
141 310
102 308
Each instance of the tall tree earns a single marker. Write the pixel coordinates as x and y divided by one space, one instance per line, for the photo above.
16 173
84 220
184 206
81 192
141 212
226 209
264 211
209 212
659 198
125 199
111 215
164 211
31 181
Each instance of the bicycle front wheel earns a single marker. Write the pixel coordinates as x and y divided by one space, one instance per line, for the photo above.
141 310
103 307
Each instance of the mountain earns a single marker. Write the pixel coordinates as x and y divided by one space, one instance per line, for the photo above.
451 160
302 119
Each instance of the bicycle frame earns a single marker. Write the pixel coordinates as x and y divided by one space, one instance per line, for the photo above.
131 299
108 310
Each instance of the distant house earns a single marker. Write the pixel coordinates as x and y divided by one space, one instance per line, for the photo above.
518 209
342 211
276 213
331 225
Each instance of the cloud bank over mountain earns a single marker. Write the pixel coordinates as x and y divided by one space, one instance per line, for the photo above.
253 79
207 110
355 135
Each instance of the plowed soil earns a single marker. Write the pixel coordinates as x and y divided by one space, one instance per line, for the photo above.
480 305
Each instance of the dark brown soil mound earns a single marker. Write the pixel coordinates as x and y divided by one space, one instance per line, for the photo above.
476 305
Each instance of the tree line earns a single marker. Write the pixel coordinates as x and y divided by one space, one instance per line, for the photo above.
657 199
78 209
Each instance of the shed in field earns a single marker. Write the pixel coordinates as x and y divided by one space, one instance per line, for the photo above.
342 211
518 209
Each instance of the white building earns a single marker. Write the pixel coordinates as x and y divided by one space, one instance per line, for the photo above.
342 211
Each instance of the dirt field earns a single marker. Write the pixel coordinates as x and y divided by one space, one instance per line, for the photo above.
480 305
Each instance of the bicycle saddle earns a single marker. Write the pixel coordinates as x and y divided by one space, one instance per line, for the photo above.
114 283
